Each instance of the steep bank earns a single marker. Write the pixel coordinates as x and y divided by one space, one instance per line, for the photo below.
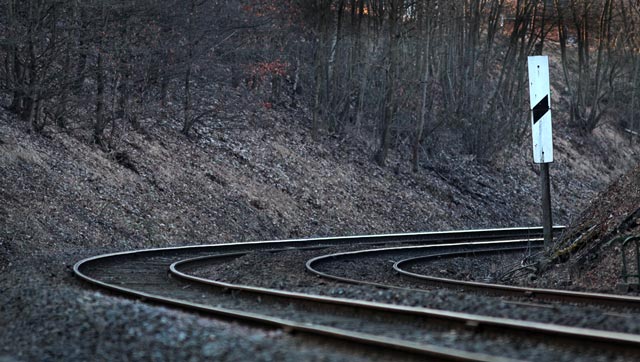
589 255
265 178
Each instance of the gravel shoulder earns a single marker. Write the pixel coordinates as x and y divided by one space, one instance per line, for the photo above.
55 317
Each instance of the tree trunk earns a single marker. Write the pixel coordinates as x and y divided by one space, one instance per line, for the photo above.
100 123
395 12
187 120
320 66
423 67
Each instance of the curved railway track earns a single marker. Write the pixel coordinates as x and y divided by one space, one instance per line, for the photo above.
165 276
405 264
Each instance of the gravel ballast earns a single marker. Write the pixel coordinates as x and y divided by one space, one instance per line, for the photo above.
146 273
72 322
286 271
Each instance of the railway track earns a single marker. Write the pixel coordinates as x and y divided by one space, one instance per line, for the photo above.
408 261
165 276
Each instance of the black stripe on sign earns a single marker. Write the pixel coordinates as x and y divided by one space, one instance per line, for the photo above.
540 109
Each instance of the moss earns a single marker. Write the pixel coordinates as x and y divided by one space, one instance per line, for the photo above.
582 240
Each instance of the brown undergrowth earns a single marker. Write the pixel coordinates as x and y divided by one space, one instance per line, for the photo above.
589 254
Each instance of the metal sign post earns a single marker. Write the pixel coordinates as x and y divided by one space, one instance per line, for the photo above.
540 105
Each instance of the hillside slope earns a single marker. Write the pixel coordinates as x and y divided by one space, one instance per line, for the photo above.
259 177
263 178
589 255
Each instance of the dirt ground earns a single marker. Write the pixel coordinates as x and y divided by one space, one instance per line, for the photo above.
589 254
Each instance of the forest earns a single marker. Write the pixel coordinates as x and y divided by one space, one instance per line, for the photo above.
411 76
260 135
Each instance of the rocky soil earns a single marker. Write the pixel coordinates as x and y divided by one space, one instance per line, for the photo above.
589 255
254 174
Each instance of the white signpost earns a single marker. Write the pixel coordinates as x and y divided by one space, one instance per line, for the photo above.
540 101
540 105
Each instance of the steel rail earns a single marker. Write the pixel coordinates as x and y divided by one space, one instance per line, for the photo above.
511 245
176 269
87 268
441 353
430 237
555 295
607 300
491 325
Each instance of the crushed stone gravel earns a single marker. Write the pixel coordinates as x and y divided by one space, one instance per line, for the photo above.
54 317
286 271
